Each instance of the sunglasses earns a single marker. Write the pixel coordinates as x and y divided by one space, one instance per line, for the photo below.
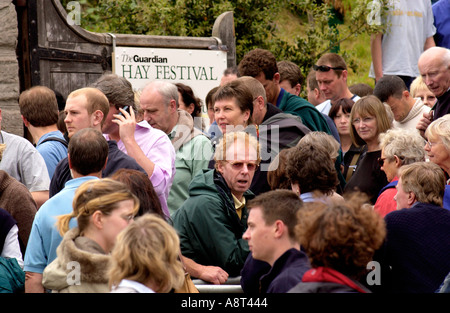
325 68
239 165
381 160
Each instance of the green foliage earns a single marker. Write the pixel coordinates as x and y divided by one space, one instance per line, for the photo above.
255 23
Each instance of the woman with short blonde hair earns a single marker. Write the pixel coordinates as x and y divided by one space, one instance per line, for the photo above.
145 257
399 147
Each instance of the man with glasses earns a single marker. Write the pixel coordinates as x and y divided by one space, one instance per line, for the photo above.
213 219
331 76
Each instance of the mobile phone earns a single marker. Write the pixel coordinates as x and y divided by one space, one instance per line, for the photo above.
126 108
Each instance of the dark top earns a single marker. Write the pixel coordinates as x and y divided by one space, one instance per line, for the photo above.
287 272
117 159
415 257
442 106
6 223
368 177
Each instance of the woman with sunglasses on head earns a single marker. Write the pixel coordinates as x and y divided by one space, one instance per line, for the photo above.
438 149
369 119
102 208
398 147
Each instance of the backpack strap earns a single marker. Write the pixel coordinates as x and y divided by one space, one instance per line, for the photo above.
56 139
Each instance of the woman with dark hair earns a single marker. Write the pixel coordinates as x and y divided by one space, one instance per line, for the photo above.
193 105
340 114
142 188
369 119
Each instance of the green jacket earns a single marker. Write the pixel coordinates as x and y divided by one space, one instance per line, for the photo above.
310 116
209 228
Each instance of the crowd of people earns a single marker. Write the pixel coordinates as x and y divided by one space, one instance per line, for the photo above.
347 191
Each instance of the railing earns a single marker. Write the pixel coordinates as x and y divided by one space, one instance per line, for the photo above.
232 285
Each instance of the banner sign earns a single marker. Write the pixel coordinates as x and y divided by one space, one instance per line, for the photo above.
199 69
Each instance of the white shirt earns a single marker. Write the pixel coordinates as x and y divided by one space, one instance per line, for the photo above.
131 286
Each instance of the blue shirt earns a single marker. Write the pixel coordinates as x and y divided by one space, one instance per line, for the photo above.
52 151
45 237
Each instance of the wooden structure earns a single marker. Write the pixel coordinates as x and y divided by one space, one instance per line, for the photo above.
65 57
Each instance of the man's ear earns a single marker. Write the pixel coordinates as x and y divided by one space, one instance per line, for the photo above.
172 106
25 121
344 75
97 117
280 228
298 89
276 78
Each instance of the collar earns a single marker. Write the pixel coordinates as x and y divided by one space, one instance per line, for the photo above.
280 96
238 205
141 288
326 274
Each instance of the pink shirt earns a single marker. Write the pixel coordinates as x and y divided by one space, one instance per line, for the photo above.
157 147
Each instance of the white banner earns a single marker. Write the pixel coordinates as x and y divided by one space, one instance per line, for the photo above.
199 69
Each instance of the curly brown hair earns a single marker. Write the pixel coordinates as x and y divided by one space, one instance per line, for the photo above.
342 235
257 61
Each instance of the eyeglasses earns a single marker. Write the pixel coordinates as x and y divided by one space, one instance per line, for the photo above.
365 120
431 144
325 68
239 165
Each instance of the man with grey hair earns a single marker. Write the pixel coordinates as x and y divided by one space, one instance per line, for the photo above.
159 102
434 67
150 147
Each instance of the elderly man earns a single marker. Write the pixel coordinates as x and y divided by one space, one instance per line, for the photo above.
434 67
415 257
407 111
213 219
331 76
159 101
149 146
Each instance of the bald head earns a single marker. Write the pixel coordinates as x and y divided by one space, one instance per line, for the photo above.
434 67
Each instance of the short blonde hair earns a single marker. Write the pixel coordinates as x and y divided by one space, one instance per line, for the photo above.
148 249
440 128
416 85
95 100
407 144
229 139
426 180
